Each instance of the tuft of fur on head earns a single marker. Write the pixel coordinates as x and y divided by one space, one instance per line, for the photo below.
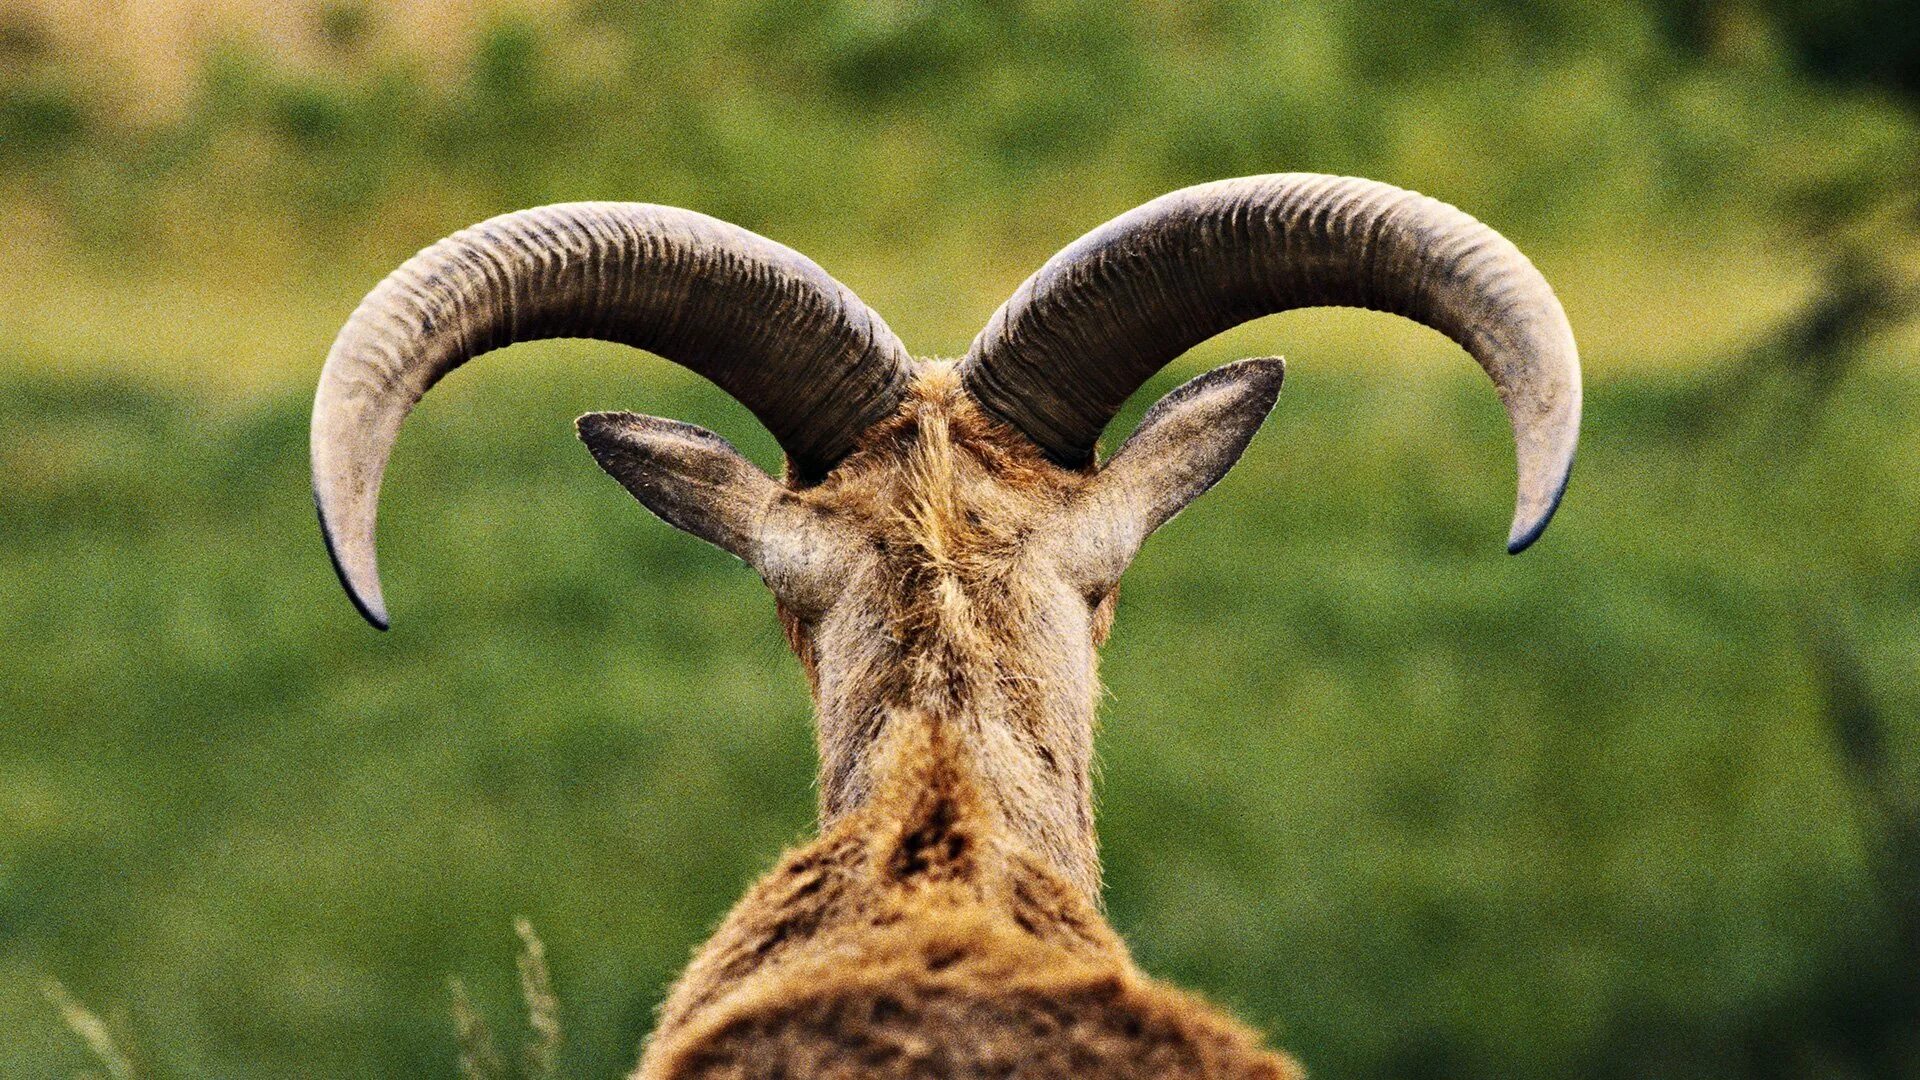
957 492
947 587
952 620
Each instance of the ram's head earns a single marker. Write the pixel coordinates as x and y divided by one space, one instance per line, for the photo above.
944 540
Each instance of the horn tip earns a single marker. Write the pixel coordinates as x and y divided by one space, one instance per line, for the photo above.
365 595
1528 523
366 598
373 611
1523 536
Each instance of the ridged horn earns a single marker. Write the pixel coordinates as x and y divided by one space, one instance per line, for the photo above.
1102 316
797 348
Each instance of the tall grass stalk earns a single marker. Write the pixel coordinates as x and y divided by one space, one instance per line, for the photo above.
93 1031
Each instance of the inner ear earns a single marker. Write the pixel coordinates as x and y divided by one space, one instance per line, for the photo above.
697 482
1183 446
691 478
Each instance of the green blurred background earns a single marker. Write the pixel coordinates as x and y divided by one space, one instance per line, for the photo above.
1641 803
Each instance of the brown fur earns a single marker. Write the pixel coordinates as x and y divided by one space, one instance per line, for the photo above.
914 938
948 498
946 921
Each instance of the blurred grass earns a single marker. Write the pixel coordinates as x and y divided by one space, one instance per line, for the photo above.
1395 796
1641 302
1418 809
932 157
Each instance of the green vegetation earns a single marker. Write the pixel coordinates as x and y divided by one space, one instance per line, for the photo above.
873 115
1644 802
951 147
1398 797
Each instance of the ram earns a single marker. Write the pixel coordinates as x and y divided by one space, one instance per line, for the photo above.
943 551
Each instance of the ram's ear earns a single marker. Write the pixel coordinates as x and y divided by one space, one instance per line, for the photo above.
1183 446
693 479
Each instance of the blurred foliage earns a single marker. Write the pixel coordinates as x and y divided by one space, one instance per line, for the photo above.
894 119
1639 804
1416 808
1867 42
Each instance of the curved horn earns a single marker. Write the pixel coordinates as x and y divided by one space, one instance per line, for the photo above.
797 348
1102 316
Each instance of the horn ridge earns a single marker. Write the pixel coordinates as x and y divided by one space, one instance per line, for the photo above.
1107 312
805 355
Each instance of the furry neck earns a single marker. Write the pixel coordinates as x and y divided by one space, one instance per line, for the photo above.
1037 789
957 629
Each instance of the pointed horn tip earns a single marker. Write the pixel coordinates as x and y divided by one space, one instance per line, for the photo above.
1528 528
375 615
1523 536
372 609
365 596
